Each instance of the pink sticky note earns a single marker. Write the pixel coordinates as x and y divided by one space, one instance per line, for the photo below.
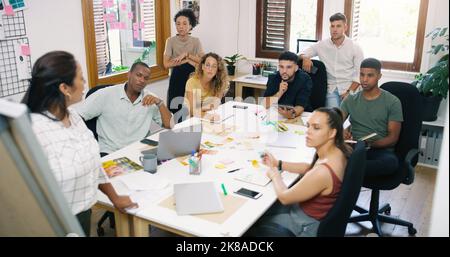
136 34
141 1
135 26
111 17
142 25
108 3
9 10
123 6
25 49
122 25
130 15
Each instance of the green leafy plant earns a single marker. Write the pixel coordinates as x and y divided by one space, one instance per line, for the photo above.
435 80
146 52
120 68
231 60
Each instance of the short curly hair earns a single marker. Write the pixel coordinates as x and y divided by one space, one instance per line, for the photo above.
188 13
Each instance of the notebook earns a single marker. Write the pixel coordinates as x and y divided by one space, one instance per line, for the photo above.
197 198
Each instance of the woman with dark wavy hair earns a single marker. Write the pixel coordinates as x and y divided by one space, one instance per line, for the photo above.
73 153
207 86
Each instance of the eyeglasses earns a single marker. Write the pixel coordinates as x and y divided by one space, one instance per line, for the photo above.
209 66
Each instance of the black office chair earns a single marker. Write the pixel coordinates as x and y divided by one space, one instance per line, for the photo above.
335 222
406 150
92 126
318 96
92 123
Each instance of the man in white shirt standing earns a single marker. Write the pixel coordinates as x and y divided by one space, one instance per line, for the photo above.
342 58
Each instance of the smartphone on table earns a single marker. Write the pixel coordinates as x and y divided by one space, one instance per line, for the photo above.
248 193
149 142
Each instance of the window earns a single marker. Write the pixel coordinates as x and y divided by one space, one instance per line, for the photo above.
118 32
392 31
280 23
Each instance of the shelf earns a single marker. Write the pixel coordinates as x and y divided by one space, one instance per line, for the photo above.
440 122
427 165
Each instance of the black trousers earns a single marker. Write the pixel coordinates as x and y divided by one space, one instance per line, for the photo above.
84 218
177 86
380 162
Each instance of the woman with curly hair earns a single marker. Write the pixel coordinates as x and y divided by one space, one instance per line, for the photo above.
182 54
207 86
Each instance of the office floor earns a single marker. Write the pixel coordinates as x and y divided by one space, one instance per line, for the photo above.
412 203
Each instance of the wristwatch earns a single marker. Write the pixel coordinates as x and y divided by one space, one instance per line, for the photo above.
160 103
279 165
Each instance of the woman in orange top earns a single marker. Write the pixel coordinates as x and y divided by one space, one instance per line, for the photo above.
308 201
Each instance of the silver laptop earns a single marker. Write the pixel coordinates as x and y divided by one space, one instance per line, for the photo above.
197 198
175 143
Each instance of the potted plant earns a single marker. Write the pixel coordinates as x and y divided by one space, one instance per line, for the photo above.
231 61
433 85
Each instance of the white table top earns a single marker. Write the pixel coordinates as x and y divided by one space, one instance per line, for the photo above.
244 147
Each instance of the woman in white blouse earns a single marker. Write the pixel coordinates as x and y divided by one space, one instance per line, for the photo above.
73 153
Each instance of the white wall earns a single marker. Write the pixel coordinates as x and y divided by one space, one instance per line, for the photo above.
439 213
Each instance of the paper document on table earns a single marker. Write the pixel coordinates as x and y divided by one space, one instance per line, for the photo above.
283 140
257 177
144 181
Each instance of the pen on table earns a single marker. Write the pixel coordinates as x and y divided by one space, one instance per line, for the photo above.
224 190
231 171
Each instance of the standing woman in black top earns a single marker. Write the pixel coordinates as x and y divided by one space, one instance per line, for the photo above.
182 54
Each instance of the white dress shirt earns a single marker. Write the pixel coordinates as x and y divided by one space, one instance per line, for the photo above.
74 158
120 122
342 62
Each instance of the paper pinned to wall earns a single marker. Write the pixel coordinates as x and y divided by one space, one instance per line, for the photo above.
23 71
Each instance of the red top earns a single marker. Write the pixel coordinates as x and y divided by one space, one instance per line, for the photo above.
319 206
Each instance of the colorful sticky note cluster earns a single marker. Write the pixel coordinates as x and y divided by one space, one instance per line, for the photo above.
110 17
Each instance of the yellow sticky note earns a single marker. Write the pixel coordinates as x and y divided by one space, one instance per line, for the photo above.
255 164
299 132
229 140
219 166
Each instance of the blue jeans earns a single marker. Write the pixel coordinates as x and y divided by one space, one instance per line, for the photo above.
333 99
380 162
290 217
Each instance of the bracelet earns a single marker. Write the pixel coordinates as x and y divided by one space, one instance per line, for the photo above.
279 165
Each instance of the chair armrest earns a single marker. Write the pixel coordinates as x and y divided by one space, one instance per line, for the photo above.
410 163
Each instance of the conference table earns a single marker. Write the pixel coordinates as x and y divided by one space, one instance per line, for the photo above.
235 143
